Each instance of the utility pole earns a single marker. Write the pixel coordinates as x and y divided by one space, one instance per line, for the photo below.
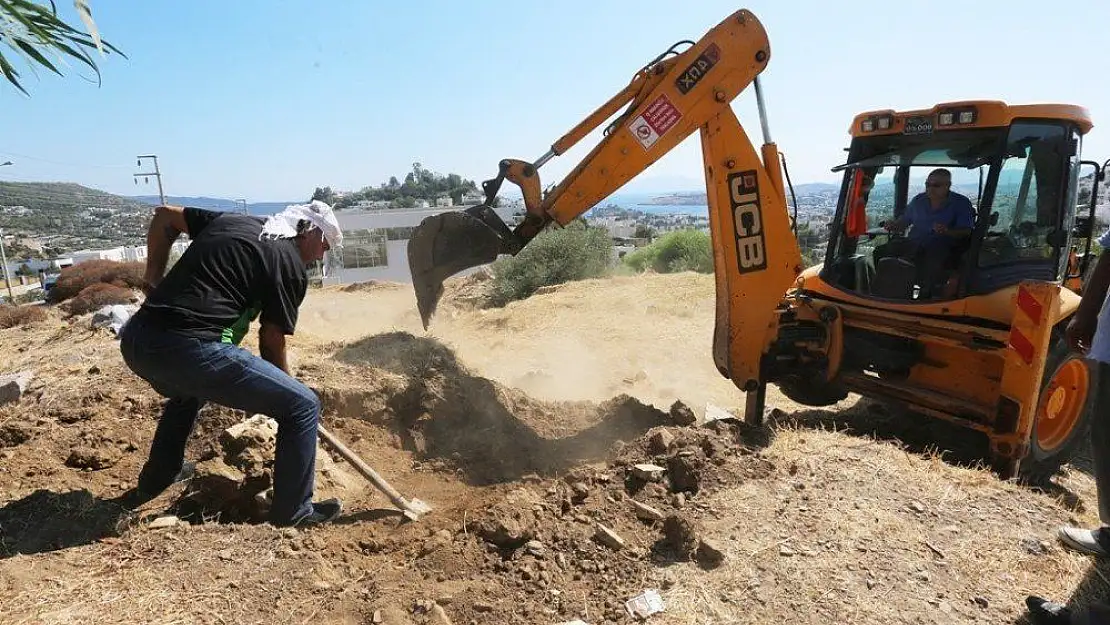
4 263
4 256
146 175
242 204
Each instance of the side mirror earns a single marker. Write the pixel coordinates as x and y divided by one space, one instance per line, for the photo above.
1082 227
1057 238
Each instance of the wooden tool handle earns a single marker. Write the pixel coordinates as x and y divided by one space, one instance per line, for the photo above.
364 469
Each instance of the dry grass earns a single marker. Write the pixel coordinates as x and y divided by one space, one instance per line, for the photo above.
95 296
17 316
76 278
864 532
205 574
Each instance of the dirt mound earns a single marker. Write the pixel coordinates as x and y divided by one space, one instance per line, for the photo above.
234 482
470 291
370 286
608 526
464 422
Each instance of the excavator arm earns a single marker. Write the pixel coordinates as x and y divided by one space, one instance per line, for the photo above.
755 253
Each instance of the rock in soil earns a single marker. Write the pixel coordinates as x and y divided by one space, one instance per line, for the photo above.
680 536
646 512
608 537
236 483
13 386
685 473
13 434
681 414
510 523
648 472
661 441
439 616
709 555
93 458
163 521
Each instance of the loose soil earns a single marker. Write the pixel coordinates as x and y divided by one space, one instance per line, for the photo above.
527 430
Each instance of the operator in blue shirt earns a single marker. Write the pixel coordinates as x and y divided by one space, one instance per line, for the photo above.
938 219
939 216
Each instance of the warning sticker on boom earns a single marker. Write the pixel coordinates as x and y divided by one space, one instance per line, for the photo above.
654 122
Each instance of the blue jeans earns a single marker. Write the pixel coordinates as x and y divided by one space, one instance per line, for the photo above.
190 372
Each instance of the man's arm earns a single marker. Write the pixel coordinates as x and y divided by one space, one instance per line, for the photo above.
167 225
964 222
271 345
1081 328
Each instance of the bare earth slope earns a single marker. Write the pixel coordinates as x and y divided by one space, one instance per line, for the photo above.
520 427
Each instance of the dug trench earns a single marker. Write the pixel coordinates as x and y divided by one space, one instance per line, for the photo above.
558 510
545 511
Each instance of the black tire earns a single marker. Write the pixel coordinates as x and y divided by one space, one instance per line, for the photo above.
816 393
1041 464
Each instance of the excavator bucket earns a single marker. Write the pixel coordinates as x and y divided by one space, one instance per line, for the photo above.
447 243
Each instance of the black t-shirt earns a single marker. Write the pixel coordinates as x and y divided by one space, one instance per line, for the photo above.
227 277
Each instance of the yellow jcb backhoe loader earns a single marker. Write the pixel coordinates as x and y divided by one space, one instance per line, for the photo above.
979 344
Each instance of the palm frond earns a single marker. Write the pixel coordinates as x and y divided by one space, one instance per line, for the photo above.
34 32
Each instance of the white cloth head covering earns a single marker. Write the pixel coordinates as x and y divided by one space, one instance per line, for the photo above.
284 224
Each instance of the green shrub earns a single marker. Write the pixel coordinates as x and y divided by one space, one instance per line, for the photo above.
555 256
681 250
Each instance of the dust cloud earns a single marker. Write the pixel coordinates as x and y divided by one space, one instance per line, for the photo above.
585 341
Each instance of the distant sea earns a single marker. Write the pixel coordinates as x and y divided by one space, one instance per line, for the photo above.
635 201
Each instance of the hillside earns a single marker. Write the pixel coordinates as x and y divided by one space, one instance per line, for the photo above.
520 428
64 217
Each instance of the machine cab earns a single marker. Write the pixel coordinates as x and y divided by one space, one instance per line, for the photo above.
1001 210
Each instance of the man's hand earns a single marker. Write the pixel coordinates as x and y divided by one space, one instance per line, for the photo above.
940 228
1079 334
271 346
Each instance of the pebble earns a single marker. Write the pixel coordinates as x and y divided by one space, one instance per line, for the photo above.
162 522
608 537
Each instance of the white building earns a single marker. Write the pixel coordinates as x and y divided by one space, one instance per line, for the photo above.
118 254
375 244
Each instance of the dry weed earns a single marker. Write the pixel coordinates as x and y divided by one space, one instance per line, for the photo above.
17 316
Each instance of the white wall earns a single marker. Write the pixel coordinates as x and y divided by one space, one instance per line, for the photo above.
396 270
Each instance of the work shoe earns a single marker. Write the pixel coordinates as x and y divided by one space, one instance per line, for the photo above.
1045 612
142 493
1091 542
322 512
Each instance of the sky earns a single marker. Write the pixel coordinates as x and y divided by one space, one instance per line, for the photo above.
267 99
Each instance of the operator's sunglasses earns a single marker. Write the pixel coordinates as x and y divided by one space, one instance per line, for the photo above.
936 185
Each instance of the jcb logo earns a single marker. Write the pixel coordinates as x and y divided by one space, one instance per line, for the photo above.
743 192
697 70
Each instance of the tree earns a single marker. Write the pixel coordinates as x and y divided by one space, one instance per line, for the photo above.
643 231
324 194
34 32
555 256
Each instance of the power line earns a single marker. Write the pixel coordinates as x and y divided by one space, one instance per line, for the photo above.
53 162
156 173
